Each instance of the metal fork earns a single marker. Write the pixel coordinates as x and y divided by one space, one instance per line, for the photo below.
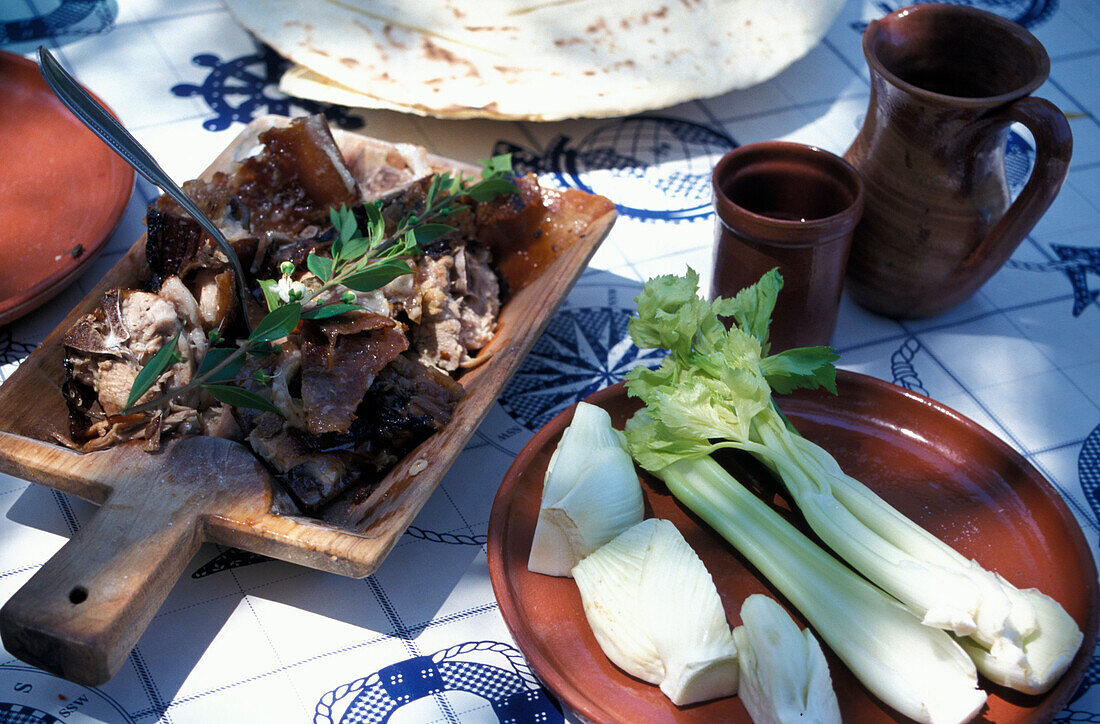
100 122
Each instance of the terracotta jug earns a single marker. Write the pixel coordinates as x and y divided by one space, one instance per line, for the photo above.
947 81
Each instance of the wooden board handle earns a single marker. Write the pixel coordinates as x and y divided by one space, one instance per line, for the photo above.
82 612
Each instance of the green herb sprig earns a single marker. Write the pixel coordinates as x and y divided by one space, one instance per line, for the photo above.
361 260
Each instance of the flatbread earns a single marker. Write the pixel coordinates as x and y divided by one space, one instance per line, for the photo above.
515 59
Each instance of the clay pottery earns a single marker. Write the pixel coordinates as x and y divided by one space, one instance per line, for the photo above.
62 190
946 83
958 480
794 207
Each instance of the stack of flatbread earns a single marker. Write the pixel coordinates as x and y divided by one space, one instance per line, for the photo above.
531 59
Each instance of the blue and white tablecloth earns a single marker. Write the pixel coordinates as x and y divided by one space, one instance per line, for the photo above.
244 639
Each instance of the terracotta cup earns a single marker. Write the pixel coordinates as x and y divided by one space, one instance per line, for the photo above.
790 206
947 81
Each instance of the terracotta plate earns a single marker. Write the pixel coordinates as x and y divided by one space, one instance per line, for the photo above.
942 470
62 191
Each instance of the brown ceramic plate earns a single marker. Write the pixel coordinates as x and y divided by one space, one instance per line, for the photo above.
62 191
944 471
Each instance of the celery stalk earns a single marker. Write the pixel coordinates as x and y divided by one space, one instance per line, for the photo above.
917 670
715 390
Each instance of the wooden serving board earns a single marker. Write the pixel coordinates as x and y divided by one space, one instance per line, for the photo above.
83 611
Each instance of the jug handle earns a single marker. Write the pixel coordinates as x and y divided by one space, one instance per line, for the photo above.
1053 149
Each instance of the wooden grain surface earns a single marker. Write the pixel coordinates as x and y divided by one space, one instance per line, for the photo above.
80 615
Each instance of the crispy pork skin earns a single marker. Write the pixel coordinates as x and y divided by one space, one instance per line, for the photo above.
339 363
294 181
407 402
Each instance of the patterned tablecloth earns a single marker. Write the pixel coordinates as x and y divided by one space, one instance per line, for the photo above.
243 638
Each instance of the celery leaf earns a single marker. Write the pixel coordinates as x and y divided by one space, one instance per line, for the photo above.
752 307
808 367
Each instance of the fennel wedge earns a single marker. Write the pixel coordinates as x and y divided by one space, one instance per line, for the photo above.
784 678
656 613
590 494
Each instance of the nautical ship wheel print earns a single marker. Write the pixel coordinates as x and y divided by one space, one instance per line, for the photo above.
656 168
12 352
19 714
31 696
582 350
1027 13
243 88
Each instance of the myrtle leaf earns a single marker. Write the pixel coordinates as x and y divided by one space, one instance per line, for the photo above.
329 310
343 220
337 247
320 266
277 324
264 349
165 357
405 246
426 233
377 276
499 165
354 249
433 189
376 225
349 227
214 357
451 184
490 188
270 295
240 397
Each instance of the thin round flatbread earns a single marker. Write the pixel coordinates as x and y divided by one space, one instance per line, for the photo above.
532 60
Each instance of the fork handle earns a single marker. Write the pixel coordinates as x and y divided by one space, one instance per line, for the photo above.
104 125
100 122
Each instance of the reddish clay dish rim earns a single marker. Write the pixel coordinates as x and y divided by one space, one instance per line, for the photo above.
598 692
786 232
114 198
25 302
881 25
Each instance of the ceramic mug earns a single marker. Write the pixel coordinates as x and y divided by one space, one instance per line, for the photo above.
791 206
947 81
